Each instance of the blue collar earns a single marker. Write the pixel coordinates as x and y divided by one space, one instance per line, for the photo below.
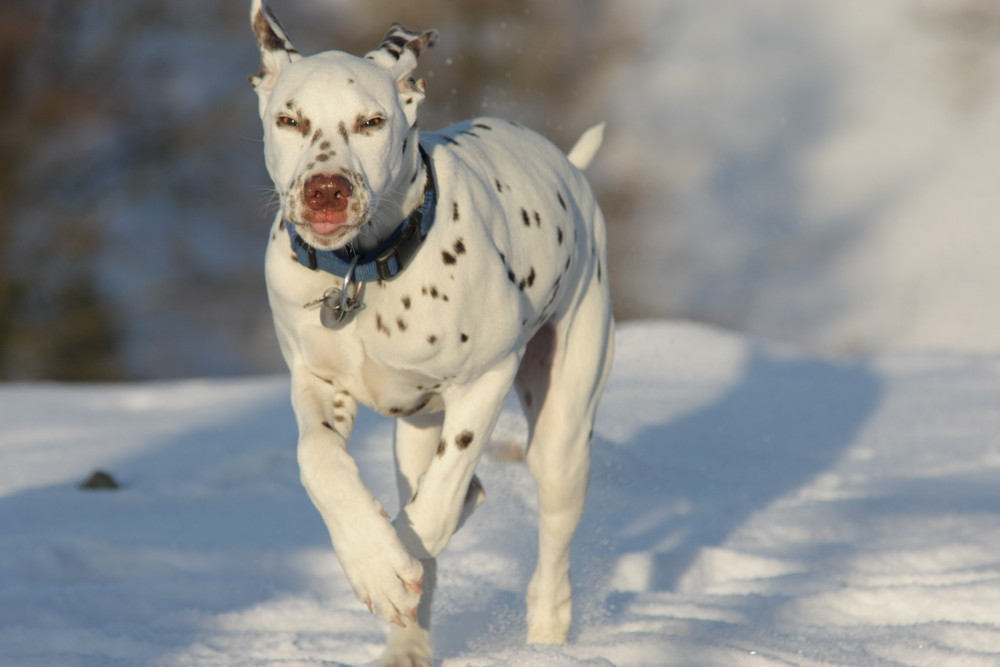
389 258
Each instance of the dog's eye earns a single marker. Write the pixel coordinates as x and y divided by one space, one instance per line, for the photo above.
372 122
287 121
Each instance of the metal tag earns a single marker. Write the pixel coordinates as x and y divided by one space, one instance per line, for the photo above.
337 306
337 303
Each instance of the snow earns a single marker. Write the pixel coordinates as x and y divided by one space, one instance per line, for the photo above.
750 505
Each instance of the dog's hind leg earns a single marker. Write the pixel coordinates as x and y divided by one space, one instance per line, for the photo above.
559 384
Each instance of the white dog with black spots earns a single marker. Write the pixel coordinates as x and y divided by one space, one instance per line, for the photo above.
424 275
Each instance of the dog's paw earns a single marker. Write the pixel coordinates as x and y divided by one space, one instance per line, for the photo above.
410 647
384 576
404 660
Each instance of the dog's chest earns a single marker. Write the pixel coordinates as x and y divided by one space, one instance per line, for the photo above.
497 263
413 338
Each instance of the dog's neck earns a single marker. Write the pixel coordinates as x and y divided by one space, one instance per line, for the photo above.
390 210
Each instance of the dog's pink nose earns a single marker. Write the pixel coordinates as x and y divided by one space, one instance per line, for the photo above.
327 192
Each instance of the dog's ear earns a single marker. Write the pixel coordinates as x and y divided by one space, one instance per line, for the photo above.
398 53
275 49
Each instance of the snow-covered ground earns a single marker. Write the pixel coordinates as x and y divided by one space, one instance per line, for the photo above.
749 506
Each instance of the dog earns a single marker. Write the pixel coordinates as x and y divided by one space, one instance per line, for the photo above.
424 275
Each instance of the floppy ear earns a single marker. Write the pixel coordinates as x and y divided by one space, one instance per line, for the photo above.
398 54
275 49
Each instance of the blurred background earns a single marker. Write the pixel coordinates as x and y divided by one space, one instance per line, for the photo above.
822 174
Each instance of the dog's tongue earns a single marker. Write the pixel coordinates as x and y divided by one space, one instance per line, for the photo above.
325 228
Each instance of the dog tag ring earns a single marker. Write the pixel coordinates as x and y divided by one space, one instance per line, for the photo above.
338 305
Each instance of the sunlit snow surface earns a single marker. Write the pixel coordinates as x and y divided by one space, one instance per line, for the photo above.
749 506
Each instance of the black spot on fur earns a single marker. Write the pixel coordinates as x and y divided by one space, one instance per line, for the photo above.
400 324
482 126
497 182
342 129
406 302
269 38
432 339
447 257
525 218
562 202
328 425
441 447
454 211
459 247
380 325
406 412
464 439
559 235
464 338
452 141
538 219
510 275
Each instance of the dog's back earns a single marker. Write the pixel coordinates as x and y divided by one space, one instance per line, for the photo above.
534 204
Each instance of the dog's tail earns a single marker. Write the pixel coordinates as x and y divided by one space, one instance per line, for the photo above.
586 147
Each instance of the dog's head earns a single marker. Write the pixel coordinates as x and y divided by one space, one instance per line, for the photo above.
340 137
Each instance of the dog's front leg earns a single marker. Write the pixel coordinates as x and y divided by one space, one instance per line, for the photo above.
383 573
446 492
